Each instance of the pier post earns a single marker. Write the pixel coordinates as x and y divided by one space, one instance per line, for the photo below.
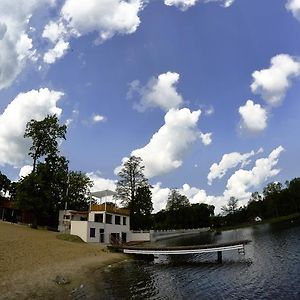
219 257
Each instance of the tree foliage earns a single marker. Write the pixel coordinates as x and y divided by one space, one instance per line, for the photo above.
44 135
50 185
78 189
134 190
231 206
176 201
5 184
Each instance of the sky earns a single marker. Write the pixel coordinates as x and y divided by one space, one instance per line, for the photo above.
206 92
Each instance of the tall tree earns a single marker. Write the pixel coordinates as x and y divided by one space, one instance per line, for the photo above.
231 207
4 184
176 201
78 189
142 208
44 135
132 179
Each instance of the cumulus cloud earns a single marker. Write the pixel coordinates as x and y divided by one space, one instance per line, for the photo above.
35 104
159 197
273 83
253 116
167 147
294 7
77 18
25 170
228 161
158 92
241 181
54 31
58 51
181 4
16 45
100 183
238 185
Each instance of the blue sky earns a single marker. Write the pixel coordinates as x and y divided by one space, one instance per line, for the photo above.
206 92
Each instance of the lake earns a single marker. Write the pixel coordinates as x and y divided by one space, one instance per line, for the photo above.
270 269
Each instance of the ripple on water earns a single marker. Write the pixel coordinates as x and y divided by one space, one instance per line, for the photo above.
270 270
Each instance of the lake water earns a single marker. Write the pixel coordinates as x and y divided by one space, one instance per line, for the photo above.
270 269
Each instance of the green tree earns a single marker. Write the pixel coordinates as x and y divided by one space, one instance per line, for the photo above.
176 201
231 206
78 189
142 208
4 184
44 135
131 180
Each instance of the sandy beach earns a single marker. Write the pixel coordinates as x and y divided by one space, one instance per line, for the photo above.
31 261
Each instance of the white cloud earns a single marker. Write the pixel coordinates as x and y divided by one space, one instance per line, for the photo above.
206 138
98 118
35 104
54 31
228 161
167 147
253 116
100 183
241 181
181 4
58 51
25 170
78 17
238 185
225 3
158 92
294 7
228 3
159 197
107 17
16 46
273 83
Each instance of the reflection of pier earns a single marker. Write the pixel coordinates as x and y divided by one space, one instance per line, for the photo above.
195 249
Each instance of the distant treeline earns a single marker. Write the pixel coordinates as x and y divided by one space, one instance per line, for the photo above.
276 200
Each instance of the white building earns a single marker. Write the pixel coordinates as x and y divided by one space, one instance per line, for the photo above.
67 215
105 224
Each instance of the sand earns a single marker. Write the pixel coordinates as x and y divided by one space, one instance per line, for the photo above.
31 260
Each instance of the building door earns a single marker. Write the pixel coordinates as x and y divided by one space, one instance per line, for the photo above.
124 235
101 231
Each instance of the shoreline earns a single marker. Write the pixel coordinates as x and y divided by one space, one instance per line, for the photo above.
291 218
34 264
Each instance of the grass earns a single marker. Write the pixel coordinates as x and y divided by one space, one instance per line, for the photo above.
69 238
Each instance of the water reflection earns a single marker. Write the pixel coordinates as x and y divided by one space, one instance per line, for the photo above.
269 270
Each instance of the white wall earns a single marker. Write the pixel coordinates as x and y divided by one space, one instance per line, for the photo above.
80 228
139 236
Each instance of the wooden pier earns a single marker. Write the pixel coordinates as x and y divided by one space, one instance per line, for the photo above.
180 250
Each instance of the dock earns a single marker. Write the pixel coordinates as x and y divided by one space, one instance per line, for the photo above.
182 250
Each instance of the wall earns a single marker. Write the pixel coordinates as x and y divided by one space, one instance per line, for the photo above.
139 236
157 235
80 228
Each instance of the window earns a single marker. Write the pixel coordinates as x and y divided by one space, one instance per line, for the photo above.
117 220
99 218
108 219
101 231
124 220
67 217
92 232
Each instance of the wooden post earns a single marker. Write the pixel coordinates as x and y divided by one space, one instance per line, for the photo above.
219 257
